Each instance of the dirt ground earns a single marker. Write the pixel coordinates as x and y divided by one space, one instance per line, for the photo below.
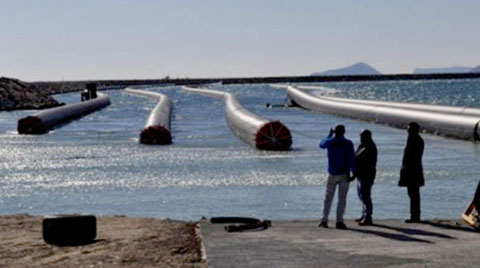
120 242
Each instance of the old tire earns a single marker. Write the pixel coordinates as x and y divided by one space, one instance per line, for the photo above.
69 230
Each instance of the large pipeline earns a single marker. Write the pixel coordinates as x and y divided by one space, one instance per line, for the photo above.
403 105
260 132
460 110
43 121
440 123
157 127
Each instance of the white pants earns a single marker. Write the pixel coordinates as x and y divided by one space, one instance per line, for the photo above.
343 183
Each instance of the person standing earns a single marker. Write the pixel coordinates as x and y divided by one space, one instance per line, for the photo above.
411 173
341 160
365 164
476 198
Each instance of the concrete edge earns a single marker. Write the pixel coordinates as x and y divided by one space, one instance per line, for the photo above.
198 235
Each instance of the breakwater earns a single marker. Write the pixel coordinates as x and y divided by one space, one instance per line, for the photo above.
54 87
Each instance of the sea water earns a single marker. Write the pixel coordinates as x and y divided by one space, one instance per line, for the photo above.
96 165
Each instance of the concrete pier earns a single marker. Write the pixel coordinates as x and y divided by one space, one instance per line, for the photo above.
389 243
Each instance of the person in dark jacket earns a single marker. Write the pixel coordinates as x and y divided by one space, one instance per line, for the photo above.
411 173
476 198
341 161
365 164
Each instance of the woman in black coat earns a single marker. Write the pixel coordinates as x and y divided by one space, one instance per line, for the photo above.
411 173
366 163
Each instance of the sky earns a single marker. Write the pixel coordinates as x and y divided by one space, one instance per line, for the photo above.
55 40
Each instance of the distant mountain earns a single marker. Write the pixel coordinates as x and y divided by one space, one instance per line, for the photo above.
355 69
453 69
476 69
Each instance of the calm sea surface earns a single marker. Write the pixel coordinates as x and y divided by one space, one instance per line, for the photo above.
96 165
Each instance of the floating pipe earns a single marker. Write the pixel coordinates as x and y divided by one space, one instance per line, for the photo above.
257 131
445 124
43 121
461 110
157 127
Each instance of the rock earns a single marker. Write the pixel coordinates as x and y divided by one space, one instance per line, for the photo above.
359 68
16 95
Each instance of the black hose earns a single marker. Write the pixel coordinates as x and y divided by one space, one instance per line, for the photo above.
244 220
242 223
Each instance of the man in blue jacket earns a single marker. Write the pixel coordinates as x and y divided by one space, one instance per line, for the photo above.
341 160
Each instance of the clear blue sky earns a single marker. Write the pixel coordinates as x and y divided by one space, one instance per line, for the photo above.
124 39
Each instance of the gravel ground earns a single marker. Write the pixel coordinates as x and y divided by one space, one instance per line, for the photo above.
120 242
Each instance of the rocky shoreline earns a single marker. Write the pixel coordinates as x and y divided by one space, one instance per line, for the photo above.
17 95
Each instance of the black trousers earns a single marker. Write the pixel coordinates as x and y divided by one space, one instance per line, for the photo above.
364 190
414 194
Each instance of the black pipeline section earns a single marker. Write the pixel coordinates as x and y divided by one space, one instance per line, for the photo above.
42 122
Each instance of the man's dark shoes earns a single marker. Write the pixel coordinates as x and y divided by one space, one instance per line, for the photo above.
413 221
366 222
359 219
323 224
341 226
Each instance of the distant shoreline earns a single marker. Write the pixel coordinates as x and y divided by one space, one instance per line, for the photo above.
55 87
14 92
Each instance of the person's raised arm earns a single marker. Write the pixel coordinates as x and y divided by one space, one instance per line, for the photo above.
326 141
